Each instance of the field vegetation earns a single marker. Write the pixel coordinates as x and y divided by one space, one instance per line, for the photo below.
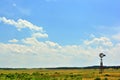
60 74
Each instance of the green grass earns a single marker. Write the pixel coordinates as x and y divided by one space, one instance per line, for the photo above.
69 74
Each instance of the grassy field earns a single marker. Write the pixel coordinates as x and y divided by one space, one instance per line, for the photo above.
62 74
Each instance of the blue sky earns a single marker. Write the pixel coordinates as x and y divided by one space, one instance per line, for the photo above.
59 32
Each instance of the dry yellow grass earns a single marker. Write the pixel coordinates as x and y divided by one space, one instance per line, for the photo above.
87 74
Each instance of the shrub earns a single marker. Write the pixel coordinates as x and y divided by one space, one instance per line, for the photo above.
97 78
105 78
106 75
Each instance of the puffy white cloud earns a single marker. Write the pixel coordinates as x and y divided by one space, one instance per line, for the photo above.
39 35
37 32
32 41
13 40
49 53
20 24
9 21
52 44
14 48
104 41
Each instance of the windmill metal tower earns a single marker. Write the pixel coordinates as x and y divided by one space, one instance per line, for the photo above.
101 55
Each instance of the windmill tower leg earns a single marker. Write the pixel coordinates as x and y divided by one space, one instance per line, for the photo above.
101 66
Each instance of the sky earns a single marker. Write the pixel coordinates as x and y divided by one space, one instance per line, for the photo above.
59 33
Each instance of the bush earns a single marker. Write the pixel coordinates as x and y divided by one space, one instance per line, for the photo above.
97 78
106 79
106 75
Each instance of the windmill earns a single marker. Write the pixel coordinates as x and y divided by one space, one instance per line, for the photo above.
101 55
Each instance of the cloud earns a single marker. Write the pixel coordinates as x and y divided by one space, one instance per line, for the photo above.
102 41
13 40
51 54
31 41
20 24
52 44
39 35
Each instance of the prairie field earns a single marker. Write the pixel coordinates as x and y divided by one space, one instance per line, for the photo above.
60 74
